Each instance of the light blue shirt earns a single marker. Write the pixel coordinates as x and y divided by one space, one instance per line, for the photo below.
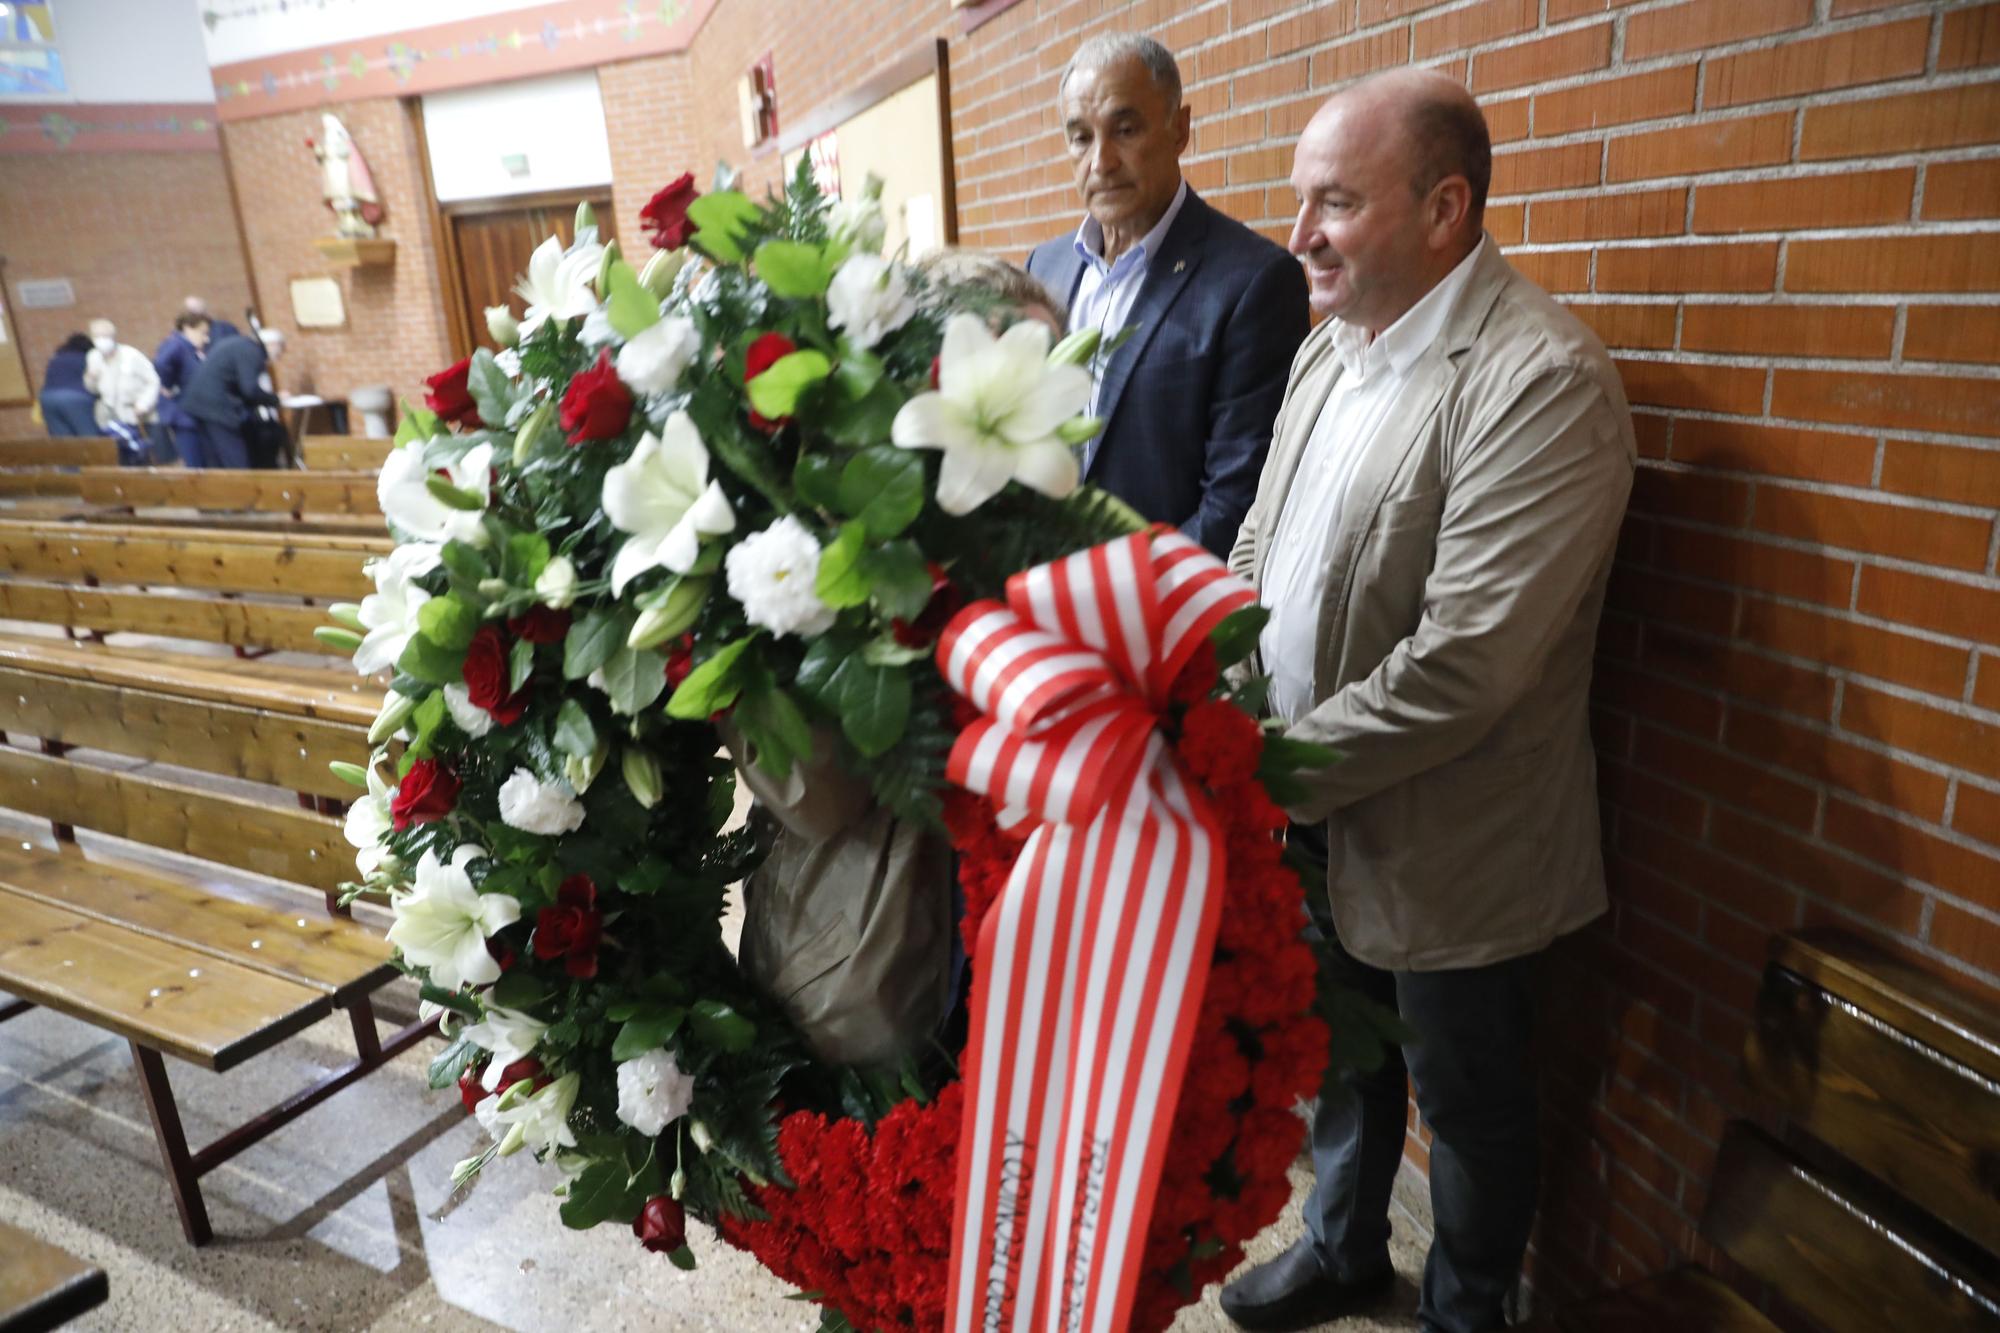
1106 292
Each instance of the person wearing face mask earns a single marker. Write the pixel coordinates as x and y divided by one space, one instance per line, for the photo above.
1432 535
180 352
127 389
1216 311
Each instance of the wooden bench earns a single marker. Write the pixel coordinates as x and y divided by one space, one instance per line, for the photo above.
299 494
42 1287
38 466
334 453
171 958
1877 1205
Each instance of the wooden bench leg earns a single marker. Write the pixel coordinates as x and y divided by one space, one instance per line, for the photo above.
173 1144
64 832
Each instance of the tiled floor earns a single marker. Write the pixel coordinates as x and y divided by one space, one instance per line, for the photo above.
341 1220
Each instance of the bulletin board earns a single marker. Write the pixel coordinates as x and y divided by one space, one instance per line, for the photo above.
896 127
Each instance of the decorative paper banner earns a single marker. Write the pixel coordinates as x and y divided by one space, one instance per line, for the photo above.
540 39
1091 966
127 127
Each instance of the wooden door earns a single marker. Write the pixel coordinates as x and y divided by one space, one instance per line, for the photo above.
491 242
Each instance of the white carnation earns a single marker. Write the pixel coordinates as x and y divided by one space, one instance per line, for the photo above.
653 360
473 720
533 806
653 1092
772 573
509 361
869 299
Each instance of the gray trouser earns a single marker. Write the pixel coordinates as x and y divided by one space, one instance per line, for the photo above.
1473 1072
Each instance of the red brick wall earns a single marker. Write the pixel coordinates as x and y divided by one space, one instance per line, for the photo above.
395 332
649 117
133 232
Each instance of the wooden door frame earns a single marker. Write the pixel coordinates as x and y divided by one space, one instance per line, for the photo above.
463 324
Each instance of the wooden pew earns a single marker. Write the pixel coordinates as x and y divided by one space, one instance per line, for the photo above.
334 453
299 494
46 466
254 592
1877 1206
42 1287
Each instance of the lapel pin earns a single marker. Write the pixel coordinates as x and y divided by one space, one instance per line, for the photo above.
1179 264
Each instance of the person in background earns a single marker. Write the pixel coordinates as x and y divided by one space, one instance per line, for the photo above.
68 408
218 329
1014 292
1217 311
127 389
223 397
178 357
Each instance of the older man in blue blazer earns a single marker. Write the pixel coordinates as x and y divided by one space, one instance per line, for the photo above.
1217 311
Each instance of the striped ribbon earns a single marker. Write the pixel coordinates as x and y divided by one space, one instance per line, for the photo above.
1091 966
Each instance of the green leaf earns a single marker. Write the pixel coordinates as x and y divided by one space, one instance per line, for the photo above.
717 1025
792 268
858 373
449 999
885 651
465 563
775 393
417 424
867 421
492 392
683 1259
448 623
1236 637
775 728
899 579
841 581
516 990
711 686
650 1028
591 643
816 477
425 719
630 307
720 219
574 734
430 663
595 1195
633 678
883 486
520 664
874 704
526 556
1281 753
452 1061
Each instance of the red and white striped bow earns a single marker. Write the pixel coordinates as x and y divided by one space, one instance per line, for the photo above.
1091 966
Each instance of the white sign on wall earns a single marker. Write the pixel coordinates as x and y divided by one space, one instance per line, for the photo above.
518 138
45 293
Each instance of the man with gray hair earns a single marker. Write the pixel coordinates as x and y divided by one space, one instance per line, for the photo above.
1217 311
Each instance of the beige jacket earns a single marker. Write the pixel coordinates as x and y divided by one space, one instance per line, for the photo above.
1456 634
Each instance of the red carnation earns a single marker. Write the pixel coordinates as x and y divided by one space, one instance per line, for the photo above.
572 928
428 791
661 1225
597 405
449 394
486 674
1220 742
665 216
766 351
540 624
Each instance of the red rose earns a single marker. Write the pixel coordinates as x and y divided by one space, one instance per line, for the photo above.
945 602
470 1094
448 393
680 661
428 791
572 928
500 952
524 1070
540 624
665 216
661 1225
486 674
766 351
597 405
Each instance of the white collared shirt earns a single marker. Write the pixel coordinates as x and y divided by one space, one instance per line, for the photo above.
1106 292
1373 376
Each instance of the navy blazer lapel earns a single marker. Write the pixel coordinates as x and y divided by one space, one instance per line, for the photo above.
1066 273
1166 274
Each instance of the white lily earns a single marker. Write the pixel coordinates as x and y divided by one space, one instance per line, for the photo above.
389 614
443 923
368 823
404 492
558 285
539 1122
510 1035
995 414
663 497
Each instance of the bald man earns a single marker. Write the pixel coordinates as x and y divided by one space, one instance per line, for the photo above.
1432 534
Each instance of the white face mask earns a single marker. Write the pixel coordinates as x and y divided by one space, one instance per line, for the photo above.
104 345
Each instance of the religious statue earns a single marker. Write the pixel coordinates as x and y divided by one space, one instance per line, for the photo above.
345 181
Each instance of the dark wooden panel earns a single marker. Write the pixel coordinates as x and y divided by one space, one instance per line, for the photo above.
1841 1249
1909 1115
1685 1300
1901 994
